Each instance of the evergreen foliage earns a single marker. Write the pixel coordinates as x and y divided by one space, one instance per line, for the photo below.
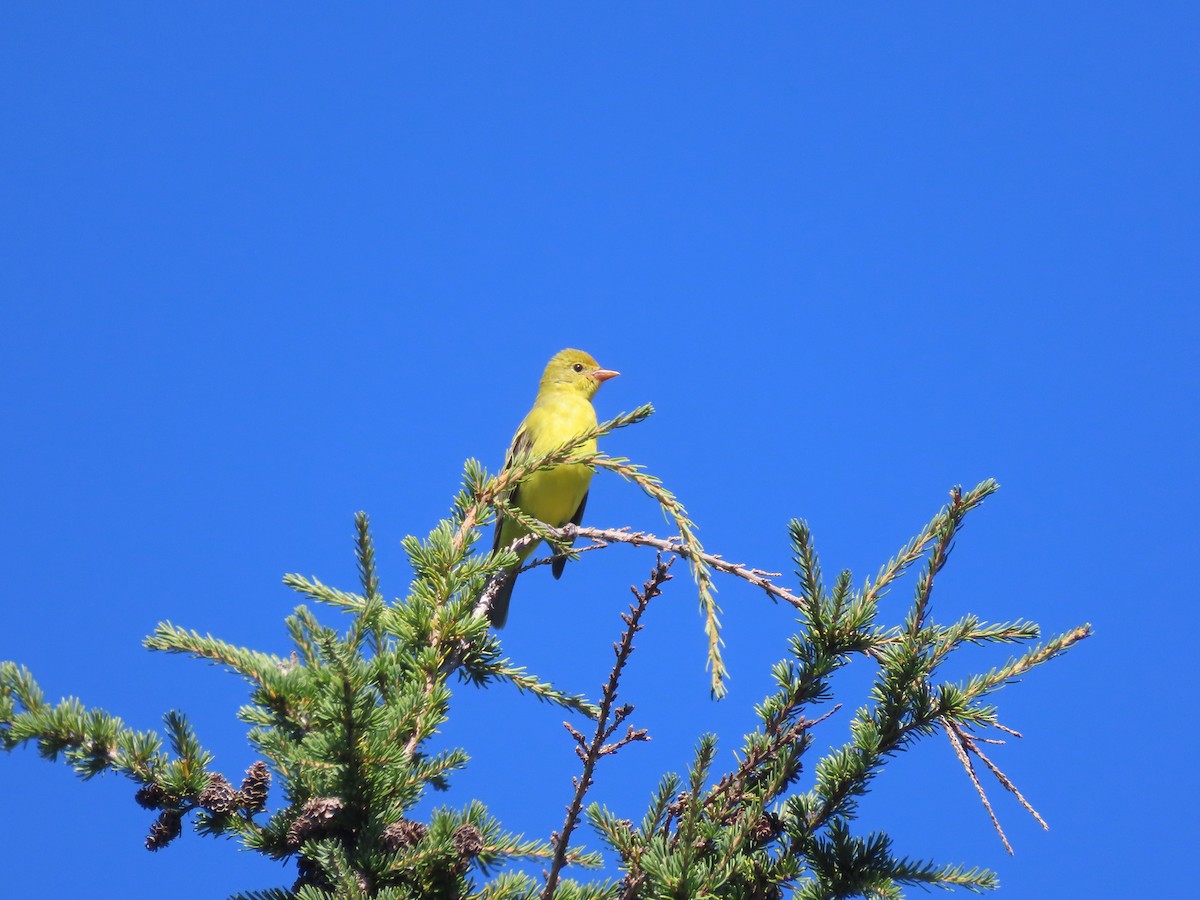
344 726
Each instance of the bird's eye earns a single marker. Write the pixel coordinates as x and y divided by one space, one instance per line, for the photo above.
578 367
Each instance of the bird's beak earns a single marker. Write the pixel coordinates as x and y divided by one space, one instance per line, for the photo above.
602 375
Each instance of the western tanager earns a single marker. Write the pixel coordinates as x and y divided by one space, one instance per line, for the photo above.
562 410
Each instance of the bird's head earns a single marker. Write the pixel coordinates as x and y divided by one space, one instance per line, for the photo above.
577 371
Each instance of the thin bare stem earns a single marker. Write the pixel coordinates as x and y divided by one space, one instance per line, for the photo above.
965 746
607 722
602 537
972 745
964 757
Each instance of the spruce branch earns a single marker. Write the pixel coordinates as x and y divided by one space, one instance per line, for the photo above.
914 550
258 668
323 593
947 526
368 625
608 720
1014 669
531 684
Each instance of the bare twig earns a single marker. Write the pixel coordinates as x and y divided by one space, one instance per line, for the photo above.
602 537
965 746
591 751
972 745
964 757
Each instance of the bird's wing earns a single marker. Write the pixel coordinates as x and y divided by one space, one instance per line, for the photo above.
560 562
521 444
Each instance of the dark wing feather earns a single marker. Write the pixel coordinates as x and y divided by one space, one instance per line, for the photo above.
560 562
521 445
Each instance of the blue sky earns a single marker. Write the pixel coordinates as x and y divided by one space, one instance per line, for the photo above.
266 266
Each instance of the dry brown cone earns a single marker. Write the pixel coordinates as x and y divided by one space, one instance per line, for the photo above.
151 796
254 787
403 834
218 796
315 820
165 829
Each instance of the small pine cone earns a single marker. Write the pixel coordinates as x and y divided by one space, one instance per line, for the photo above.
298 832
254 787
767 828
165 829
151 796
468 841
323 809
315 820
218 796
403 834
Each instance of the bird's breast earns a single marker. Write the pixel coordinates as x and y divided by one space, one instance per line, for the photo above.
553 495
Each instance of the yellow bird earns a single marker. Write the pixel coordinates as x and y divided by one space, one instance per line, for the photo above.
562 411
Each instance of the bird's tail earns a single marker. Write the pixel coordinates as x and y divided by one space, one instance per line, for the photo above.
498 609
